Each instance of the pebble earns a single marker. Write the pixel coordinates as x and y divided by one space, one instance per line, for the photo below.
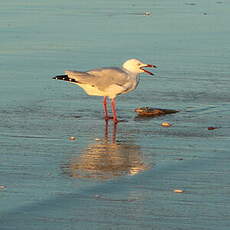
147 13
166 124
97 139
178 190
72 138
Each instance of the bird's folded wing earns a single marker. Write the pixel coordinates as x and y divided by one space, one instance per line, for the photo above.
100 78
106 77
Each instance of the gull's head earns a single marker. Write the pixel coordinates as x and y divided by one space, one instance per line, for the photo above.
136 66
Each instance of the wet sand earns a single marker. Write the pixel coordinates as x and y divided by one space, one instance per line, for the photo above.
124 176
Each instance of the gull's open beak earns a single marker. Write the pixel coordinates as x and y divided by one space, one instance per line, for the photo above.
146 71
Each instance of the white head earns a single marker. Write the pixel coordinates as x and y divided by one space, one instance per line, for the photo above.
136 66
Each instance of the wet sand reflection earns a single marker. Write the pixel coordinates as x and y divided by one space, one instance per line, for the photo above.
108 158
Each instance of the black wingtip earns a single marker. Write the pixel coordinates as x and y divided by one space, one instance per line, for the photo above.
64 78
61 77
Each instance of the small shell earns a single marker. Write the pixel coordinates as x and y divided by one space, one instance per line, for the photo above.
166 124
72 138
178 190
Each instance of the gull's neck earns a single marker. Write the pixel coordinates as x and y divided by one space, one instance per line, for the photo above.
129 72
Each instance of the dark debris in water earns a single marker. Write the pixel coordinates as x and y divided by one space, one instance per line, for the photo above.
212 128
115 200
190 3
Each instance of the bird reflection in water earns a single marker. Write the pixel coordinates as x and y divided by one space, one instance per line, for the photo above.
108 158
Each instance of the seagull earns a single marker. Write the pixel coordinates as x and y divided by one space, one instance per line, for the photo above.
108 82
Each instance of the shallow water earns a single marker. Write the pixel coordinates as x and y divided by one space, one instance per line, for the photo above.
114 177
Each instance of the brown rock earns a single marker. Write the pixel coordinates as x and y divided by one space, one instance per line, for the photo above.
153 112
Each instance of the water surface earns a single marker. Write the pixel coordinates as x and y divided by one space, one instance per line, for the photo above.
110 177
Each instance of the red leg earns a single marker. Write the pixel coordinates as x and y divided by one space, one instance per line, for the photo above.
106 114
113 103
105 108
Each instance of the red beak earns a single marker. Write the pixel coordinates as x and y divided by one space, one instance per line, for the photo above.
148 65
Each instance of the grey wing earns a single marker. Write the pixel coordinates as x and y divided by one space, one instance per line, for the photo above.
81 77
106 77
